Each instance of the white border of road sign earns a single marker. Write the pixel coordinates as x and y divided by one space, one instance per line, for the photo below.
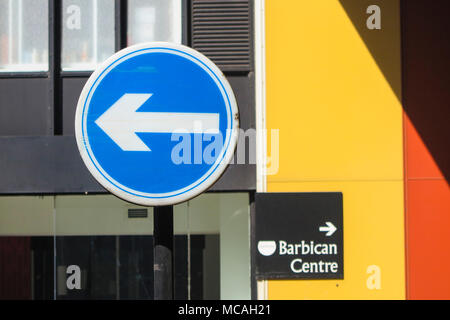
177 196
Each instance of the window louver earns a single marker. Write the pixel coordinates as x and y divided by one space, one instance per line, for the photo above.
137 213
221 30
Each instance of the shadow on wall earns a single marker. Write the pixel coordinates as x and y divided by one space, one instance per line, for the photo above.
423 86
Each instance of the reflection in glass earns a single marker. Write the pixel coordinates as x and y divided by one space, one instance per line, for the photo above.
154 20
87 33
26 247
23 35
90 247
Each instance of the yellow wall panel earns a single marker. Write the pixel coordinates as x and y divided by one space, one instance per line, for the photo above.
333 91
338 116
373 235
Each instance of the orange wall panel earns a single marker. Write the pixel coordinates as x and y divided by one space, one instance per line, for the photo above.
425 70
419 161
428 245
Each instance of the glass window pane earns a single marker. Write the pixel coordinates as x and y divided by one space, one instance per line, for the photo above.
154 20
100 247
87 33
111 250
23 35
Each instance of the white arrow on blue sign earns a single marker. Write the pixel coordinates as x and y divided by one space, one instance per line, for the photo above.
137 109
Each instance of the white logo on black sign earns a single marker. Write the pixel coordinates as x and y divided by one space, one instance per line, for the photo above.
267 248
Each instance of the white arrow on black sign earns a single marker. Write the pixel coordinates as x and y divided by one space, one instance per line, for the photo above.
121 122
329 229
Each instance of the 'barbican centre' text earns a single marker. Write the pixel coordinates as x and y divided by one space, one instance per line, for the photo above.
309 248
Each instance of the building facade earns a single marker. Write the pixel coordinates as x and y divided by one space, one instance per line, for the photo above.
334 96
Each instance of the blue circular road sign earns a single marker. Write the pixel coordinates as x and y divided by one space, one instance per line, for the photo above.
157 123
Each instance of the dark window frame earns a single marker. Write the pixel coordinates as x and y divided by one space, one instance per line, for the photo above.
55 74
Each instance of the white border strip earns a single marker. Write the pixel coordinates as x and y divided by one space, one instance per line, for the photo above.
261 130
262 290
260 96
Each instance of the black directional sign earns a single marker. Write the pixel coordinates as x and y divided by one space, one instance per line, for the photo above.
299 235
